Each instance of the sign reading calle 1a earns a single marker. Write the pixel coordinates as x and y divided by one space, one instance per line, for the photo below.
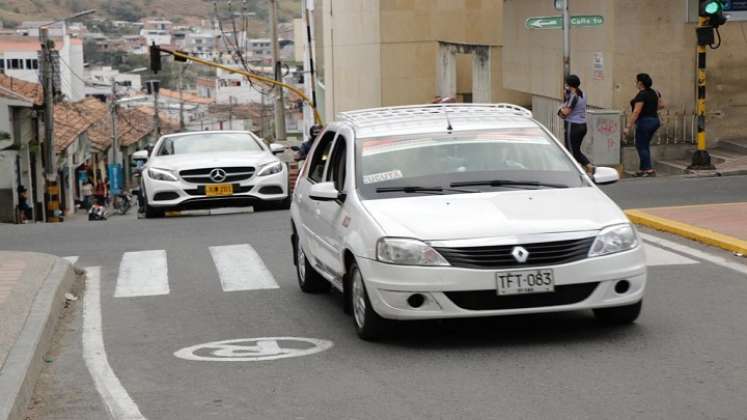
556 22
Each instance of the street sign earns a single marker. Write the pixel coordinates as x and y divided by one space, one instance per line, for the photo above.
556 22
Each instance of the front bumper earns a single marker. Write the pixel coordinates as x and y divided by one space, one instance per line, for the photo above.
452 292
186 195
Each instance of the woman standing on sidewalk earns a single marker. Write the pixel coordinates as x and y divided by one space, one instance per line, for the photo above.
645 118
573 112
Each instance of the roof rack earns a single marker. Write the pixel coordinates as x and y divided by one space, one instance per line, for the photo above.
380 116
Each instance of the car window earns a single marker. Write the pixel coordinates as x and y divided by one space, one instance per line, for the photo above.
321 155
209 142
440 159
336 169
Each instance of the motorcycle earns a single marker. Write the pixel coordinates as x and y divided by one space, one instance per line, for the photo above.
97 212
123 202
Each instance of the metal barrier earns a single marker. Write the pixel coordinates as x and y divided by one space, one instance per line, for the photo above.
677 127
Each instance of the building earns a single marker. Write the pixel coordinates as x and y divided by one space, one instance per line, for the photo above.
201 44
157 32
388 52
99 79
19 58
21 153
632 37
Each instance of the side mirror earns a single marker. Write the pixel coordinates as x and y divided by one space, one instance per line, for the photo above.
276 149
325 191
605 176
140 155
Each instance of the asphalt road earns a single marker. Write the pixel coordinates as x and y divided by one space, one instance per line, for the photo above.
684 359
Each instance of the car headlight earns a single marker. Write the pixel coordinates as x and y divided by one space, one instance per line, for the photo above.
270 168
162 174
407 252
614 239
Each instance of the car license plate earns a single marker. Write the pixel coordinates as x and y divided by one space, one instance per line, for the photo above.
524 282
218 190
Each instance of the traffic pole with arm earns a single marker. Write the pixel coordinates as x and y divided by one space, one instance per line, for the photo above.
701 158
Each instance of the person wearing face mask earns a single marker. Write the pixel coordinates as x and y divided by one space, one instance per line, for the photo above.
645 118
573 112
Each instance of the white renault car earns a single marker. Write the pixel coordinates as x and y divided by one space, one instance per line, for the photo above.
205 169
447 211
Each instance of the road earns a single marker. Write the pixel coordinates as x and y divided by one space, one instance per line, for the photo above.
684 358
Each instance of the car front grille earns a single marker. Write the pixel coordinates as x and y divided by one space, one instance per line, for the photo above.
202 175
540 254
486 300
237 189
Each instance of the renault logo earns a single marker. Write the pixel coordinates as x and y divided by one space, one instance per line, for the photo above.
218 175
520 254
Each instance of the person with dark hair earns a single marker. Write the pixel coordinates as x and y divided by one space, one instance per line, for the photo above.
573 112
24 209
645 118
305 147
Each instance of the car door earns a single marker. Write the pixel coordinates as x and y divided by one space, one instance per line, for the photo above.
313 172
332 214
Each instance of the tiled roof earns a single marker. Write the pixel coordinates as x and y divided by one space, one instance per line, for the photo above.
71 119
186 97
132 126
21 89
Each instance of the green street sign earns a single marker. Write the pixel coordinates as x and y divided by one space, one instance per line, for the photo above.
556 22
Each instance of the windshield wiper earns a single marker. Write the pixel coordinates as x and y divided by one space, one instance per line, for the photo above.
508 183
418 189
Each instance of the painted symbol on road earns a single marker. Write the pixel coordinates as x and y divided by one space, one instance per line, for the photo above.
253 349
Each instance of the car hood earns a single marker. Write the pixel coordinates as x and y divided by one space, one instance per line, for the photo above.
211 160
495 214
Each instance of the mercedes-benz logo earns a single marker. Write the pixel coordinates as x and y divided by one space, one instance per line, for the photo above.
218 175
520 254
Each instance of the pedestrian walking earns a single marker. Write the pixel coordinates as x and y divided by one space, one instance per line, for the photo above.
573 113
24 209
100 190
305 147
645 118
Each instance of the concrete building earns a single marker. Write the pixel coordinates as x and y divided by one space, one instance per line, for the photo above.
372 53
201 44
635 37
99 81
19 58
157 32
20 151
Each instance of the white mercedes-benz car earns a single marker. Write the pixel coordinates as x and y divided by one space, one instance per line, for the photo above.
206 169
459 210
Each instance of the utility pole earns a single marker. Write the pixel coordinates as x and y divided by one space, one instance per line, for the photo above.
154 86
181 97
114 171
566 41
230 112
309 63
53 189
280 134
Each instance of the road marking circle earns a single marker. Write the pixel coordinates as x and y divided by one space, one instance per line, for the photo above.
253 349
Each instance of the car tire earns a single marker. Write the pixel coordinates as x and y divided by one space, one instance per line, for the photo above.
368 324
619 315
309 280
151 212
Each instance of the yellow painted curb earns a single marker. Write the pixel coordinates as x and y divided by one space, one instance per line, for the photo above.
695 233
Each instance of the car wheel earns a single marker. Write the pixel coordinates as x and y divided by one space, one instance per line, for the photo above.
368 324
309 280
619 315
151 212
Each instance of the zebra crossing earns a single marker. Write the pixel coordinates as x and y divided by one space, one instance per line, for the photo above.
241 268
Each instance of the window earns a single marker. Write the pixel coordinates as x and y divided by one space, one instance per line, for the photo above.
321 155
15 64
32 64
2 64
337 164
208 143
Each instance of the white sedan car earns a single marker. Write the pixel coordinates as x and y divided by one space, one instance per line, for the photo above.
456 210
205 169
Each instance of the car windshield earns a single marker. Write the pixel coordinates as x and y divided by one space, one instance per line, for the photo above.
442 163
209 142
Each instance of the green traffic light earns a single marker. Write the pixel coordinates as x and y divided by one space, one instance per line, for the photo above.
712 7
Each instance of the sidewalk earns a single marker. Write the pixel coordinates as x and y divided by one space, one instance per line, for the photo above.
32 289
720 225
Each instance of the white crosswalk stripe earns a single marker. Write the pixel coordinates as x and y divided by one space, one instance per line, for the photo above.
241 268
142 273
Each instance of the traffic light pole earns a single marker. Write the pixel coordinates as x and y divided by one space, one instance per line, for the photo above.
701 159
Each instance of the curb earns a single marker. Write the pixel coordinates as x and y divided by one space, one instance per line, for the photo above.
26 357
704 236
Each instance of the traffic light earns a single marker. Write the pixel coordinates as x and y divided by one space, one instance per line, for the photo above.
155 58
714 11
